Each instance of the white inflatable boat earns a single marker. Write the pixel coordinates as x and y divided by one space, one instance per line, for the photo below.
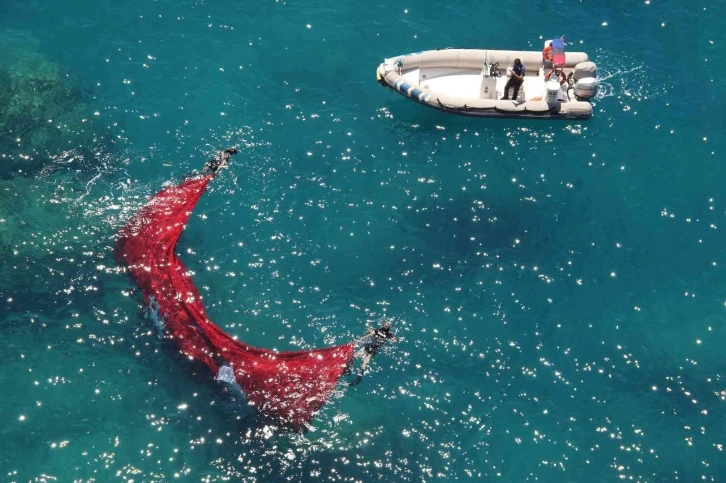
471 82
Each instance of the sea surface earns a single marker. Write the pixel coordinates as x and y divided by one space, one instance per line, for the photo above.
559 288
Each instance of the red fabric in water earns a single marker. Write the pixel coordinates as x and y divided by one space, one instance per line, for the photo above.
290 386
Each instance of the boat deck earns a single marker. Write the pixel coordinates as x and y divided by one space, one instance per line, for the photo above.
467 83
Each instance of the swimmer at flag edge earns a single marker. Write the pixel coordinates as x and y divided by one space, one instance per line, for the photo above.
289 386
373 342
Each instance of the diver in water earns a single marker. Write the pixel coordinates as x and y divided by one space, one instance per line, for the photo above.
218 161
374 340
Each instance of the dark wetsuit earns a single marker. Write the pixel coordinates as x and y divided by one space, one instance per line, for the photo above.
376 341
214 164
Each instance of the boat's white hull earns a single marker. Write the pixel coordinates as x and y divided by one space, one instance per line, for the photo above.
456 81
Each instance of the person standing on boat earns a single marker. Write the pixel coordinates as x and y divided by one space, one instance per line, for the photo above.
515 80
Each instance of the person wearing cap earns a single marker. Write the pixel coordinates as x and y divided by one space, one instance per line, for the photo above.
515 80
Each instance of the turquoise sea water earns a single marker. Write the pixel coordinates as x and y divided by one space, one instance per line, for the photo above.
559 287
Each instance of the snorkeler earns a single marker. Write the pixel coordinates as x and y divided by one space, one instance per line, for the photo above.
218 161
375 340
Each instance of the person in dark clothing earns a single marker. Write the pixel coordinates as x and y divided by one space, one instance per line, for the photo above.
515 80
374 340
218 161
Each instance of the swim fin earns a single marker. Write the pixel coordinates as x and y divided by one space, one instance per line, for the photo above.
356 381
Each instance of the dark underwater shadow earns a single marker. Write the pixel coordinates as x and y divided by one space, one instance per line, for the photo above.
45 116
